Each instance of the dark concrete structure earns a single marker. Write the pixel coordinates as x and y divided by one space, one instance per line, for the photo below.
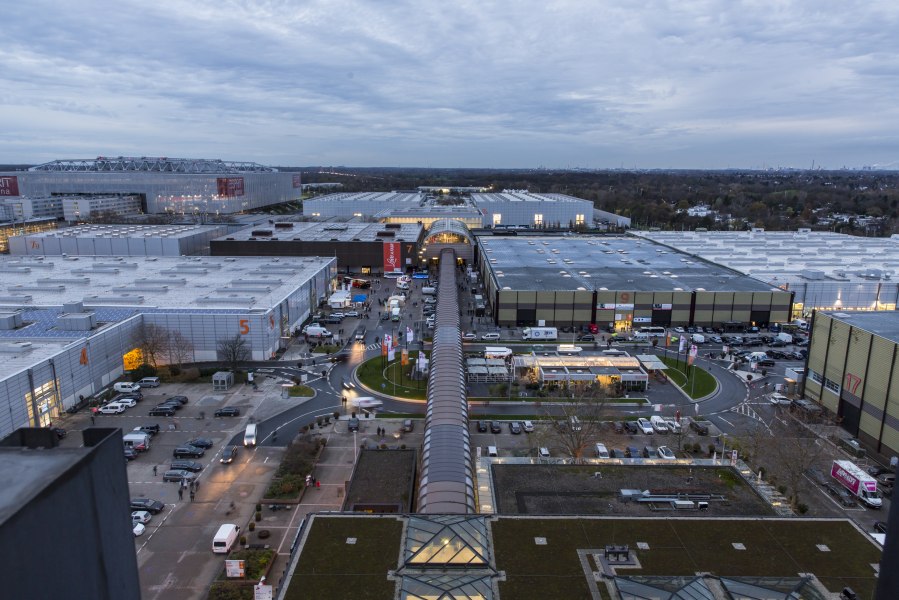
359 247
65 530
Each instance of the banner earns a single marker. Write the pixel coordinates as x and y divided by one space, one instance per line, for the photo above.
405 357
693 352
409 335
385 344
297 181
683 344
391 353
9 186
392 257
229 186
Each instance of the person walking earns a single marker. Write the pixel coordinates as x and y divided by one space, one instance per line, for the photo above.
191 495
180 493
93 420
154 470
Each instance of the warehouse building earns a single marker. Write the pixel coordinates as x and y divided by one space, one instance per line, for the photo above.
361 204
14 228
825 271
119 240
853 372
535 211
70 326
177 186
619 283
365 248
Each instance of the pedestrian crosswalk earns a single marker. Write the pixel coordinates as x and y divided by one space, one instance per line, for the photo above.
373 346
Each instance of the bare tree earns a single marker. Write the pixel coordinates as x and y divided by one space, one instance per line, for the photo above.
233 350
153 341
791 451
179 349
580 422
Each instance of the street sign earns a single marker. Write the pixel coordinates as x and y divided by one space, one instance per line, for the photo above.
235 568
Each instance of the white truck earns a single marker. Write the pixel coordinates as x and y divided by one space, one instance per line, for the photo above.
859 483
395 314
540 333
785 337
137 440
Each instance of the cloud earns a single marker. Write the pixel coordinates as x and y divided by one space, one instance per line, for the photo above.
418 83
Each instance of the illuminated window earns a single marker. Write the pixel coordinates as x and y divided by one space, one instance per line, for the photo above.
538 219
497 219
578 219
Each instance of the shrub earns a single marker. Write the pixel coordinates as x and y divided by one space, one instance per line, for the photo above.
243 540
252 525
258 506
258 516
336 415
697 447
142 371
782 489
802 508
229 590
711 449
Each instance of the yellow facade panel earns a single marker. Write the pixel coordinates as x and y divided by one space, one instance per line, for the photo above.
680 316
836 354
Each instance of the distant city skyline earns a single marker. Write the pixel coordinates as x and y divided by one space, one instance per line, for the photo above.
566 84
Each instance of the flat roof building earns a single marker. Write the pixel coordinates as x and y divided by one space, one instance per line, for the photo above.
853 372
619 282
71 325
178 186
360 204
119 240
825 271
536 211
368 248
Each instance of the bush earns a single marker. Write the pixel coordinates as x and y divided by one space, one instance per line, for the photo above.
258 516
243 540
711 449
697 447
252 525
256 561
230 590
258 506
802 508
336 415
287 487
142 371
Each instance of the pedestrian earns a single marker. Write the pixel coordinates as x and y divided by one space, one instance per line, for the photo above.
318 484
154 470
197 485
180 493
93 419
191 495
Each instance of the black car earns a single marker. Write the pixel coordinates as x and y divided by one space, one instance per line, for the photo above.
179 399
173 404
149 429
618 426
875 470
353 424
631 427
495 427
228 412
482 426
201 442
700 428
515 427
229 455
587 337
188 452
151 506
339 357
59 431
632 452
333 320
130 396
187 465
162 411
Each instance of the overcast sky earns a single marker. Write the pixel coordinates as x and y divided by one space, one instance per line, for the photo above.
454 83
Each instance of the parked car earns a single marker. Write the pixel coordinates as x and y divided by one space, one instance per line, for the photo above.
482 426
130 454
528 426
151 430
650 452
618 426
187 465
631 427
490 336
182 400
352 313
495 427
178 475
469 336
138 528
817 476
127 402
699 427
887 479
841 494
147 504
201 442
673 425
515 427
666 453
632 452
162 411
587 337
227 412
111 409
430 300
875 470
141 516
229 454
149 382
644 426
188 452
173 404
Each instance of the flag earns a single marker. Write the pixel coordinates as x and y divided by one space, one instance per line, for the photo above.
405 357
693 352
391 353
683 344
386 346
667 339
395 340
409 335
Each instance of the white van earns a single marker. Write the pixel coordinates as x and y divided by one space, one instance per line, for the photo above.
491 450
137 440
249 436
224 538
658 424
543 452
601 451
126 387
149 382
568 349
698 338
317 332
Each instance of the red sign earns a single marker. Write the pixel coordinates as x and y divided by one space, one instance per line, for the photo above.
297 181
9 186
391 257
230 186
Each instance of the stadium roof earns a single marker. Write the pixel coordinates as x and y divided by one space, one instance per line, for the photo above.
604 263
121 164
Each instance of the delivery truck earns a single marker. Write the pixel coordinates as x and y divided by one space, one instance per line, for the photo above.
539 333
859 483
785 337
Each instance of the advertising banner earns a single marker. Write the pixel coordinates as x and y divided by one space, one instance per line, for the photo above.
392 257
9 186
297 181
229 186
409 335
